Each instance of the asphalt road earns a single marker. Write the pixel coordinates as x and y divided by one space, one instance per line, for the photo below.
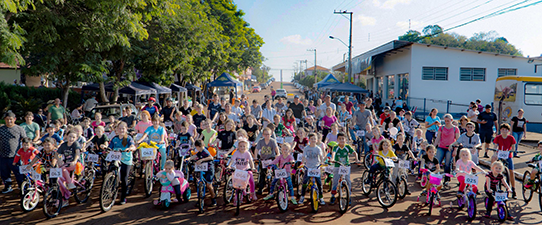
364 210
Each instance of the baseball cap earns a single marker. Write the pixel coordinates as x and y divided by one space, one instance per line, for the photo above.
169 99
296 96
152 99
361 102
488 106
50 126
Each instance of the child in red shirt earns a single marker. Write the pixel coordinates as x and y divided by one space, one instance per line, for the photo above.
26 153
505 142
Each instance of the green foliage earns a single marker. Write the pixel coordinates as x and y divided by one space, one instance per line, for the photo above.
309 81
262 74
483 41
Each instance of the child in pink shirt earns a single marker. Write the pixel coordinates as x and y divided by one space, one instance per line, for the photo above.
98 121
243 161
464 166
284 157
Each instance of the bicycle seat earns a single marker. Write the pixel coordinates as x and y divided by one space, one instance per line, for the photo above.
532 165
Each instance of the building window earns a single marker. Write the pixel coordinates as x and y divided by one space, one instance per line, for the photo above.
403 86
380 86
391 87
533 94
435 73
507 72
472 74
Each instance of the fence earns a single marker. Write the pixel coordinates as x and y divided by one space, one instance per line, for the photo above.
422 107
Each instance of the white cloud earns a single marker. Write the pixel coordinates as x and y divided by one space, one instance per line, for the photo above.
365 20
390 4
296 39
404 24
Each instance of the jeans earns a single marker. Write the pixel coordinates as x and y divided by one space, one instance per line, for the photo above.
163 158
290 186
430 135
177 189
517 136
446 154
336 177
318 183
124 172
364 147
6 167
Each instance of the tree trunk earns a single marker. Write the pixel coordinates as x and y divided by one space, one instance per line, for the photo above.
102 92
115 94
65 94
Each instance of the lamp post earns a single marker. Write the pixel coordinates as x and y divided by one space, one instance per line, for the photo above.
349 46
349 57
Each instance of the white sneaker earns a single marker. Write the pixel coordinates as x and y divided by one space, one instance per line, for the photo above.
71 186
322 202
301 199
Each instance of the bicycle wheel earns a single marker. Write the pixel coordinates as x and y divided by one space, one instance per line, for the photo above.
218 174
229 191
82 191
299 182
402 186
52 202
131 182
386 193
282 199
315 204
367 161
501 212
423 181
365 183
431 202
149 179
25 186
460 202
527 192
238 195
344 197
471 208
108 193
201 196
540 194
30 200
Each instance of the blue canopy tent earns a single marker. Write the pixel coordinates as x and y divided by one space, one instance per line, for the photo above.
226 80
328 80
345 87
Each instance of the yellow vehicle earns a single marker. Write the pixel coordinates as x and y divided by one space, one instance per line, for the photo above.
519 92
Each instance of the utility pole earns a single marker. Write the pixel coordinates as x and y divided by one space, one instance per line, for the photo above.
280 79
349 45
314 72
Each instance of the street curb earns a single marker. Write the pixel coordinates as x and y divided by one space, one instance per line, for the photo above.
488 164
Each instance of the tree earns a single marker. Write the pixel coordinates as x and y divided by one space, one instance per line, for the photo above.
11 33
411 36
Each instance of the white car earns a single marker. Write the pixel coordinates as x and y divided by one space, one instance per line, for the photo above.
281 93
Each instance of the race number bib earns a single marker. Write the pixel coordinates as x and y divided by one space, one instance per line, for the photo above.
168 124
55 172
313 172
389 162
288 139
281 173
113 156
92 158
280 140
202 167
147 153
471 179
240 174
24 170
404 164
299 157
503 154
344 170
329 169
36 175
501 196
360 133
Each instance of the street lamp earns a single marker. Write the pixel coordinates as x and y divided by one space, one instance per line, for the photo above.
349 57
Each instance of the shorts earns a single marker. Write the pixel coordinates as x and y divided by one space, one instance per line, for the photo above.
510 163
486 137
209 175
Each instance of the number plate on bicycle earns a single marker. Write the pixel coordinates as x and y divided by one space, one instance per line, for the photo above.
501 196
92 158
55 172
503 154
404 164
471 179
389 162
36 175
360 133
147 153
113 156
240 179
299 157
240 174
281 173
288 139
24 170
202 167
313 172
280 140
329 169
344 170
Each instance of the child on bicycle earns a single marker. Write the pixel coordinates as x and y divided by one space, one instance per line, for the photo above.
377 138
536 159
385 151
157 134
493 179
208 135
312 158
340 155
266 149
47 157
243 161
184 136
50 133
227 138
97 121
284 157
100 141
466 165
401 150
26 153
71 151
280 129
505 142
88 132
202 155
300 141
122 141
431 163
417 140
332 136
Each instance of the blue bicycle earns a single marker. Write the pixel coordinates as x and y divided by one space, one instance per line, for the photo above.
201 183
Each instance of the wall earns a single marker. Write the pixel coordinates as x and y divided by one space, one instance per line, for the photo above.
392 64
8 75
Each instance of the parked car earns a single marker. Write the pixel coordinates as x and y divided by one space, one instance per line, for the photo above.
115 110
256 89
281 93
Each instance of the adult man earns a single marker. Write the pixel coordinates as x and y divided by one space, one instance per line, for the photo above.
40 118
10 136
56 111
89 105
214 108
487 120
230 114
348 104
266 97
169 111
328 103
361 117
297 107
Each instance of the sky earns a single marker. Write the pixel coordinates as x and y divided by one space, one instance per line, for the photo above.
290 27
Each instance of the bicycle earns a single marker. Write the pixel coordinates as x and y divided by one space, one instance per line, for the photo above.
150 155
201 182
435 179
503 156
386 191
282 191
468 198
500 200
536 186
314 190
30 190
401 180
240 184
110 185
344 190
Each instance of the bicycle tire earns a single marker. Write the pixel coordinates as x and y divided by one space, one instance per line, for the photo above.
30 200
366 186
201 196
431 202
238 195
344 197
367 161
540 194
527 192
53 197
108 192
25 186
402 187
149 179
282 199
85 187
501 212
228 191
471 208
315 204
386 190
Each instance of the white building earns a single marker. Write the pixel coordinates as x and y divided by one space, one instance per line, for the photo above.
441 77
